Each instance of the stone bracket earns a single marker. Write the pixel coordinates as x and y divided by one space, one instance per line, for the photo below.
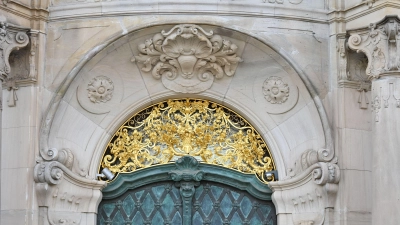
64 197
17 68
308 193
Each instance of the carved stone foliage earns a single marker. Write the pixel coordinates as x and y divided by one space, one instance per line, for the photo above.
380 44
63 196
187 58
310 191
276 91
100 89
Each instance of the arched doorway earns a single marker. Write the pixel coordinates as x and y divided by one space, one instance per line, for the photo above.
187 161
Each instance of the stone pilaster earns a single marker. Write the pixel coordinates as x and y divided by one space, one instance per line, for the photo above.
380 43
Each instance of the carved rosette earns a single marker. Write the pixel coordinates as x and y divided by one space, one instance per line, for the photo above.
100 89
187 57
275 90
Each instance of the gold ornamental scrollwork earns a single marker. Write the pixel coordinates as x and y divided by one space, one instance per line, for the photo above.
166 131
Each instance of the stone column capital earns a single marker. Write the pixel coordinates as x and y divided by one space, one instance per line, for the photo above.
12 38
380 42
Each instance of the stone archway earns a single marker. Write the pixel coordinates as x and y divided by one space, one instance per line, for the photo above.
78 128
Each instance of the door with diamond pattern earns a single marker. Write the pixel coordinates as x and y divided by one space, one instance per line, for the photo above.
161 204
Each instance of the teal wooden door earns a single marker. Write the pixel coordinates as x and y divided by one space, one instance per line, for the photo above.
205 195
161 204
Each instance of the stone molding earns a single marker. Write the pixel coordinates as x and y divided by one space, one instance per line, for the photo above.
64 197
307 195
71 9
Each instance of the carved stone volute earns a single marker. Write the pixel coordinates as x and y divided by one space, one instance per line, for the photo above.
63 196
11 38
379 42
311 189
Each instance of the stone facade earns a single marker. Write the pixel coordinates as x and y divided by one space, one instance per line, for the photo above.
318 79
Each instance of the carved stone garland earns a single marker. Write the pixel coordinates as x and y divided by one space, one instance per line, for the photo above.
199 128
187 58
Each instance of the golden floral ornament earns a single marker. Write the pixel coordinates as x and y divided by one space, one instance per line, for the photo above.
210 132
187 58
276 91
100 89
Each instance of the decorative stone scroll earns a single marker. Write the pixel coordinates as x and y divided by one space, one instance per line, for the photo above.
187 58
310 191
63 196
380 44
17 68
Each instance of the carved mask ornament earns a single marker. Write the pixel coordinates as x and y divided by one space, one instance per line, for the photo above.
187 58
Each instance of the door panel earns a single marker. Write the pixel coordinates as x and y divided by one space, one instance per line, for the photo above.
161 203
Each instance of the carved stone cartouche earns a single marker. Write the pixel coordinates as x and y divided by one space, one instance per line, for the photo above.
187 58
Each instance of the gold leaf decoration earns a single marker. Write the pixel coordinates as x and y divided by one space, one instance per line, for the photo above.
205 130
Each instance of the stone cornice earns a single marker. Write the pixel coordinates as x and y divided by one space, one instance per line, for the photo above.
25 12
360 10
126 8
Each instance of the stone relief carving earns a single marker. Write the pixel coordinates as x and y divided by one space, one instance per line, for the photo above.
275 90
311 188
187 58
11 38
100 89
63 195
379 44
17 68
386 96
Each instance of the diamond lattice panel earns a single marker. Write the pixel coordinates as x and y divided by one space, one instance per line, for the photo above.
153 204
216 204
161 204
